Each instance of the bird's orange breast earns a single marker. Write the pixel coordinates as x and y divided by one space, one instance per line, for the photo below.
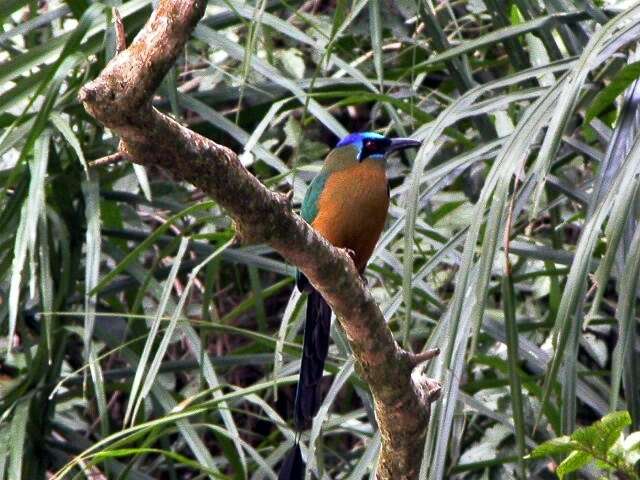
352 209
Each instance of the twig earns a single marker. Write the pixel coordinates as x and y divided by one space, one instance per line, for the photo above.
111 159
416 359
121 39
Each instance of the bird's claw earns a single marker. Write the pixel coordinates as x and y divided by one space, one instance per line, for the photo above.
350 252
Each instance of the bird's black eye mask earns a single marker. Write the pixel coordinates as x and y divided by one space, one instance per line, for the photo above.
374 147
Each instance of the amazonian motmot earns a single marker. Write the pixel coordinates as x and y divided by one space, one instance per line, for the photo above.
346 203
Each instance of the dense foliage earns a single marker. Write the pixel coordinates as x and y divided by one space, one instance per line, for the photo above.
603 444
138 341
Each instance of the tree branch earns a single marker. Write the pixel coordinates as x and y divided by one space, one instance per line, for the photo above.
120 98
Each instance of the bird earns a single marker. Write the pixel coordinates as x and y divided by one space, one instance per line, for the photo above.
346 203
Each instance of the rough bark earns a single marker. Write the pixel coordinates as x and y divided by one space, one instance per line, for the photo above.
120 98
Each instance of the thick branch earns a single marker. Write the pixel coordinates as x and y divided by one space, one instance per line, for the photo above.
120 98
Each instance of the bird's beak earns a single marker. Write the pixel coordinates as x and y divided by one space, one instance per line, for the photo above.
401 144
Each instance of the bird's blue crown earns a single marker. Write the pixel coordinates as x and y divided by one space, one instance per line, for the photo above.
358 138
377 144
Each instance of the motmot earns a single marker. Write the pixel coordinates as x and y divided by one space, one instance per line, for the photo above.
347 203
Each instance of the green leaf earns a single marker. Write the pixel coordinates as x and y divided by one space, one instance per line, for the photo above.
17 437
511 327
573 462
625 315
339 16
611 427
90 189
586 436
556 446
26 235
616 421
63 126
375 25
601 435
46 280
622 79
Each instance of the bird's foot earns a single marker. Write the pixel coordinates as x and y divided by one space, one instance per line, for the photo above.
351 253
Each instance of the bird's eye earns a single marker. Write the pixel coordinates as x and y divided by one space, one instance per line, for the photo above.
369 144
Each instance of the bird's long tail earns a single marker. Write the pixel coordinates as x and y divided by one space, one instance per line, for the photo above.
293 467
314 354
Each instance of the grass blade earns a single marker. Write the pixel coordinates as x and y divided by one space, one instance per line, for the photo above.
150 374
511 328
18 436
135 400
91 189
26 234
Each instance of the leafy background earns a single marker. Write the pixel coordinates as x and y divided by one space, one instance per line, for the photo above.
138 341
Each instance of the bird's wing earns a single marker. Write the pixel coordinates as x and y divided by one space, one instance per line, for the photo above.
309 211
309 208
